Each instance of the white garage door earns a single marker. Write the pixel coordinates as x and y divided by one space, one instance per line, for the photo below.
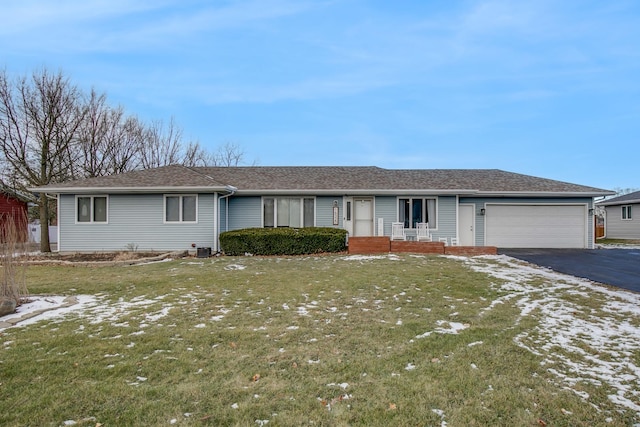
536 226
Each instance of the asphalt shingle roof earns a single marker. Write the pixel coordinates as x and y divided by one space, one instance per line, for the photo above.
622 200
163 177
256 179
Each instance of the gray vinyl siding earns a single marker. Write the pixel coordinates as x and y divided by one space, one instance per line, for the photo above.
481 202
245 212
387 209
135 221
324 211
447 220
618 228
223 214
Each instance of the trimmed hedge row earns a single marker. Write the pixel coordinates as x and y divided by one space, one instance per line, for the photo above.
283 241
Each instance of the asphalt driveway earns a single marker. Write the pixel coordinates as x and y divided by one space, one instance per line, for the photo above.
617 267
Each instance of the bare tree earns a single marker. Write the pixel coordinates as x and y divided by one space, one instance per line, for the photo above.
196 155
39 119
622 191
110 141
162 146
51 132
229 154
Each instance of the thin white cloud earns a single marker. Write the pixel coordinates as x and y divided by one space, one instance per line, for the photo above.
22 17
120 26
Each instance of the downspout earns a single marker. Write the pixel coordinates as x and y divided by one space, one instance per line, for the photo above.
231 191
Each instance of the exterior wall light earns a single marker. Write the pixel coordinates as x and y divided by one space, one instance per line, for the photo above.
482 211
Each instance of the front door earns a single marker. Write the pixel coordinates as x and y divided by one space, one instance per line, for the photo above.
358 216
466 225
362 217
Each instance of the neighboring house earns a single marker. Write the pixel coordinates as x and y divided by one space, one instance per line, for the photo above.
180 208
622 216
13 210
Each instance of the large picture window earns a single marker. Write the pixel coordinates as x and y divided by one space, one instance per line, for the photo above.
414 210
626 212
292 212
180 208
91 209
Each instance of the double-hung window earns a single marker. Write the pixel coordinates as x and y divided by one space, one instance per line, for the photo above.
91 209
415 209
626 212
180 208
292 212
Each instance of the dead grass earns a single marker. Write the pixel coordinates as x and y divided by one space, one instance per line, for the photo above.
13 285
327 340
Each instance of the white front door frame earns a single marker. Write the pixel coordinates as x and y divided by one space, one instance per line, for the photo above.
361 220
347 218
466 224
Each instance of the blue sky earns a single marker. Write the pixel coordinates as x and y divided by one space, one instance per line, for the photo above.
541 87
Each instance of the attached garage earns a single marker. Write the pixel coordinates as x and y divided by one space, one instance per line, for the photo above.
536 226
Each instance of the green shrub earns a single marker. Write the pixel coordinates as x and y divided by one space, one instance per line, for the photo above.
283 241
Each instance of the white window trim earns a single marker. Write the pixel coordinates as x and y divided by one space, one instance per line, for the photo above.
433 227
626 210
91 196
180 221
275 209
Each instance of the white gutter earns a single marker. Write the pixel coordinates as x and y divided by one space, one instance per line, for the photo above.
414 192
136 190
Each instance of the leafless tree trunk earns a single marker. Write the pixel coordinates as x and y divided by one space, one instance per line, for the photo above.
39 119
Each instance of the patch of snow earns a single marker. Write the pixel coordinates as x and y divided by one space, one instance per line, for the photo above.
595 349
453 328
440 413
48 308
370 257
154 262
157 316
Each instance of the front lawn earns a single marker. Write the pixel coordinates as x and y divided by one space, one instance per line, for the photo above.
326 340
622 242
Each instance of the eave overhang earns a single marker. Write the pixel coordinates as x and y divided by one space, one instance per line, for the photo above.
129 190
620 203
315 192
